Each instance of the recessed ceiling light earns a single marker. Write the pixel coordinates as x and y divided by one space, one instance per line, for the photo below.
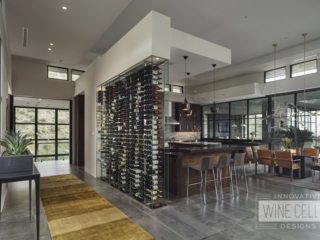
39 99
51 44
157 58
64 8
49 49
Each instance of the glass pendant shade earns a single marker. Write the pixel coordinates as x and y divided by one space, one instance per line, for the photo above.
214 108
188 113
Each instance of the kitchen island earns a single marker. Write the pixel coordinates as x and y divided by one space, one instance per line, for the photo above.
184 154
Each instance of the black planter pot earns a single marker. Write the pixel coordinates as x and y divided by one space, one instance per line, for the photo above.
10 164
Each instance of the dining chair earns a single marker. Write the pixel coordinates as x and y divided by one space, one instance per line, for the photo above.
284 159
265 158
298 150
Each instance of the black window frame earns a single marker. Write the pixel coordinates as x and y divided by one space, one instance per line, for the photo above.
182 89
265 74
169 87
60 68
56 124
301 63
269 97
77 71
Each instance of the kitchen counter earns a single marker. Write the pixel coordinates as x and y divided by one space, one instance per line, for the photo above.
188 154
189 148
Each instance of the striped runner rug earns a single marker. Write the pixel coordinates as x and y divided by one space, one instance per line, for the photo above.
75 211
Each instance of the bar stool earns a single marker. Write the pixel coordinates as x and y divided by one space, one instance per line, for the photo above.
224 162
238 161
205 165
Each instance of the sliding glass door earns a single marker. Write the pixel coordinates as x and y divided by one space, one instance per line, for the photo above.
49 128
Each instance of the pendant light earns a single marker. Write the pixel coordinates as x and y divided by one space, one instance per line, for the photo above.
234 125
242 118
185 106
277 114
188 112
214 108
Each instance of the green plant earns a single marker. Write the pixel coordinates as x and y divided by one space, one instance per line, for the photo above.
15 144
304 135
287 143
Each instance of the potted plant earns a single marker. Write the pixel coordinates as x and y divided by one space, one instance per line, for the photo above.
287 144
16 157
302 135
196 132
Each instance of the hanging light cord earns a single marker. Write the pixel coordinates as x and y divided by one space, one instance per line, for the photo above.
185 76
214 85
304 66
188 84
274 77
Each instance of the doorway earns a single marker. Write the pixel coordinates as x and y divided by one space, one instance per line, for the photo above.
79 129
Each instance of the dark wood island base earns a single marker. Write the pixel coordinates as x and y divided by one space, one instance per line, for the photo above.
186 156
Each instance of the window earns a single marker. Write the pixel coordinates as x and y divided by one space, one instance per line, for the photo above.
309 67
239 119
75 74
221 121
167 88
258 110
48 128
177 89
58 73
271 75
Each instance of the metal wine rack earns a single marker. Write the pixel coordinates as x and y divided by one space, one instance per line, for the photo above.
131 150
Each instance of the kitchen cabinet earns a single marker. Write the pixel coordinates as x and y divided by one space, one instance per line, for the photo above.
187 123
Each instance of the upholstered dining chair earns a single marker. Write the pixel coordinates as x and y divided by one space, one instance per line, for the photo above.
265 158
298 150
284 159
249 157
312 152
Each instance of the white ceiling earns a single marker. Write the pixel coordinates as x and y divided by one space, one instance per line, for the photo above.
89 28
73 31
195 64
41 103
223 22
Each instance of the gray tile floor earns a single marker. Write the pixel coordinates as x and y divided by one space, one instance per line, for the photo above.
233 218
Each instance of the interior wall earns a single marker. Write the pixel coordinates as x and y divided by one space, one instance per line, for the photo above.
29 79
6 84
134 47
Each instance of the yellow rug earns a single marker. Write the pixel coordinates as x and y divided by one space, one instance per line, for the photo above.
75 211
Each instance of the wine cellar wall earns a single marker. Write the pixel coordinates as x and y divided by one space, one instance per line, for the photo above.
131 152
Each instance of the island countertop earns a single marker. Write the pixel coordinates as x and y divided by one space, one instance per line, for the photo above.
199 148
